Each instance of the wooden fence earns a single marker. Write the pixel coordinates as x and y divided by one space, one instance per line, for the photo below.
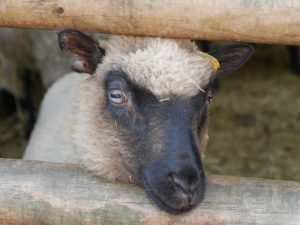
261 21
35 193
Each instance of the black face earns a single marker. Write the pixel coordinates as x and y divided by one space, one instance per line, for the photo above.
164 138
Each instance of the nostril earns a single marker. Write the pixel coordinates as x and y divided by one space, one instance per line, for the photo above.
181 182
187 182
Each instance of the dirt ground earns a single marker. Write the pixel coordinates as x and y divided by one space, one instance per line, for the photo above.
254 121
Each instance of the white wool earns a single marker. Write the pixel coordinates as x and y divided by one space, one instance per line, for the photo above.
51 140
73 125
163 66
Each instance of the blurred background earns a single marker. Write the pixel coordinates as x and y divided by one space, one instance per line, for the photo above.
254 116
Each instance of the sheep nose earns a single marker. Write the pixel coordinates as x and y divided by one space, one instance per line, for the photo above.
188 182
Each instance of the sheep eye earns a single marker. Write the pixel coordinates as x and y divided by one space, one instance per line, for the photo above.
209 96
117 96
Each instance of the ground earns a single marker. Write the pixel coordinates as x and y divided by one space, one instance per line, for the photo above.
254 121
255 125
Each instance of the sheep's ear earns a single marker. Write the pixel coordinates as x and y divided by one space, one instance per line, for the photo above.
231 57
83 46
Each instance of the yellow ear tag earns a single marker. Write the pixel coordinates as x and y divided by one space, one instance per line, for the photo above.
214 62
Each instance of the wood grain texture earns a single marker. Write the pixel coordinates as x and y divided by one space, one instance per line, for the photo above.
270 21
36 193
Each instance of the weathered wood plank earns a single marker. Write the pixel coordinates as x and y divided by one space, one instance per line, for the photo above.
36 193
269 21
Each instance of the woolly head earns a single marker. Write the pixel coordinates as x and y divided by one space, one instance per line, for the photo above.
150 104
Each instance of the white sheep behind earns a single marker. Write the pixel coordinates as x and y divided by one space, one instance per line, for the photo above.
51 140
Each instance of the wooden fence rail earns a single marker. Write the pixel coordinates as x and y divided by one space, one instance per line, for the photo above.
35 193
272 21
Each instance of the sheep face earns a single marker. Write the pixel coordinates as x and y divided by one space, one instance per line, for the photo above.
163 135
149 96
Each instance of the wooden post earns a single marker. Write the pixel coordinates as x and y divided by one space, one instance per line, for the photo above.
257 21
36 193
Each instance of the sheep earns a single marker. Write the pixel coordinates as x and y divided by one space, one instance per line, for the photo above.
137 113
27 58
17 74
15 58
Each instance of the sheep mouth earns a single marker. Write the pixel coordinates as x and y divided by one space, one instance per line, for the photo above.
160 202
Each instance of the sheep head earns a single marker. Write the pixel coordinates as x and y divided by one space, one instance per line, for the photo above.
147 119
